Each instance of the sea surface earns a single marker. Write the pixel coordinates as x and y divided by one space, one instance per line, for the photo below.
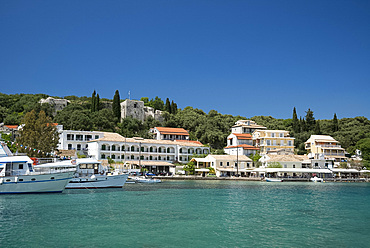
191 214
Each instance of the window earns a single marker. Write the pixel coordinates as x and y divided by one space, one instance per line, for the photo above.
83 166
227 164
20 166
132 157
113 156
132 148
281 135
113 147
103 147
221 164
273 135
88 137
316 164
96 136
20 179
52 178
289 143
122 156
293 165
33 179
103 156
268 142
78 147
70 137
69 146
79 137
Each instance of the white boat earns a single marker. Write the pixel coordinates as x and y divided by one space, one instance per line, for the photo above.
273 180
18 175
91 175
146 180
316 179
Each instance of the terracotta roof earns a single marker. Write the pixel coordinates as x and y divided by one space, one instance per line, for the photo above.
243 136
287 158
231 157
245 147
171 130
191 141
11 126
115 137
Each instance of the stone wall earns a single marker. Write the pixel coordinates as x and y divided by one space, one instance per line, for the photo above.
137 110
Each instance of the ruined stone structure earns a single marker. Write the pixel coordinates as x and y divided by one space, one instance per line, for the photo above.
56 104
137 110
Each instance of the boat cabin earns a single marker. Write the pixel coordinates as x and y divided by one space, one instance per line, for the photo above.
15 165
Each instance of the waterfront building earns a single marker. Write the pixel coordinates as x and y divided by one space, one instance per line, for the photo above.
76 140
325 147
269 140
242 144
155 155
246 126
169 133
240 141
224 165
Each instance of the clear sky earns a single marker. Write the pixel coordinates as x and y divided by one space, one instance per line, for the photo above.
239 57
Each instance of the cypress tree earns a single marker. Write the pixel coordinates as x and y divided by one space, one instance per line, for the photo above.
173 108
116 107
93 102
168 106
335 125
296 127
310 120
97 103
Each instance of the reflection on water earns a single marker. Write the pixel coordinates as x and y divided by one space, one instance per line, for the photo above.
191 214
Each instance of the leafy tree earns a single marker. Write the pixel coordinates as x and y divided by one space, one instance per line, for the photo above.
157 104
38 133
116 107
364 146
189 168
317 128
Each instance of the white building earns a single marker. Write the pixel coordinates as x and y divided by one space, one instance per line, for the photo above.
145 152
240 144
225 165
169 133
76 140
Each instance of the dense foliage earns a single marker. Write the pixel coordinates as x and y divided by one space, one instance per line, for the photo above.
92 113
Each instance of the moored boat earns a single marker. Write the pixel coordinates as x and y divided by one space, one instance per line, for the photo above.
273 180
91 175
316 179
18 175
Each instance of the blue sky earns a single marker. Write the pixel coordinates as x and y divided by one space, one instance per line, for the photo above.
238 57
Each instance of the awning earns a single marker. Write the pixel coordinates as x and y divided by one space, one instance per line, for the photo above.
364 171
293 170
202 170
345 170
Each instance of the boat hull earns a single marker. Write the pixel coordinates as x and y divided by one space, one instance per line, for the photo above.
41 183
273 180
99 181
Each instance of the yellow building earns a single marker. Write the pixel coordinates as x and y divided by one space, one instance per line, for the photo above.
272 140
325 147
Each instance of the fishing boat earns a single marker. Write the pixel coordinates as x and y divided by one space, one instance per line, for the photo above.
18 175
273 180
91 174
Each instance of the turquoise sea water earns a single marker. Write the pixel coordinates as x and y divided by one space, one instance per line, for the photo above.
191 214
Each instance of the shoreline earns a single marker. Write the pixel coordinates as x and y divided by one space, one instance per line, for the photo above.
340 180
